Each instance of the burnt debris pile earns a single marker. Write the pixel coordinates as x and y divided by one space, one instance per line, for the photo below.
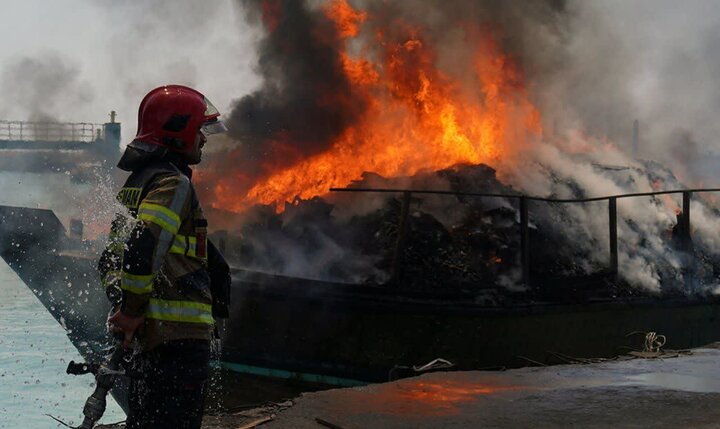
455 242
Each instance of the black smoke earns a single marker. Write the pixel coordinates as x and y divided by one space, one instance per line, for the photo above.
305 98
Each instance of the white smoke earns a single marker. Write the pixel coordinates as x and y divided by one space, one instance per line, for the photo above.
644 223
652 60
595 67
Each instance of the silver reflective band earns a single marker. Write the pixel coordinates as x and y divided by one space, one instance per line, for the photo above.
215 127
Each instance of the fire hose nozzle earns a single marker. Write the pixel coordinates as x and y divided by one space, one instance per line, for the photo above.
81 368
94 408
105 379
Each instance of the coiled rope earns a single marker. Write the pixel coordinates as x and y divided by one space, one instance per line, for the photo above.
654 342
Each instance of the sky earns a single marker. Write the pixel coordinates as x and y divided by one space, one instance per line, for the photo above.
675 73
76 60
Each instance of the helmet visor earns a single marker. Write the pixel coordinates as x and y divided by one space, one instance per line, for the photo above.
213 127
210 109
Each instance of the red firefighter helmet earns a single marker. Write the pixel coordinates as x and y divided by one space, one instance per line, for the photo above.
171 116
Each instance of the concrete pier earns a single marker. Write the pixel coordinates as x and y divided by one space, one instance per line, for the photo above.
670 390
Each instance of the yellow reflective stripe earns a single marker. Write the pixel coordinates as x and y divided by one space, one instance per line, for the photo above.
179 245
179 311
192 244
162 209
129 197
177 250
139 284
162 216
158 221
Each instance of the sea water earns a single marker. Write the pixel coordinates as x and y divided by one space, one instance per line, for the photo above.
34 353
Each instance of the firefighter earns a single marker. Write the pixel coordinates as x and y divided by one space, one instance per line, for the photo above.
168 280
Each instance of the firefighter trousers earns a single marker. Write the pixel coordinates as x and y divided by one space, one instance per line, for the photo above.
169 391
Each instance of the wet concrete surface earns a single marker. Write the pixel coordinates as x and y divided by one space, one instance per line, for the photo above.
663 392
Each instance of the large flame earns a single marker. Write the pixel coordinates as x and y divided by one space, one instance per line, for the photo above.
418 117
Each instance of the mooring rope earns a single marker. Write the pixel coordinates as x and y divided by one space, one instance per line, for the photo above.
654 342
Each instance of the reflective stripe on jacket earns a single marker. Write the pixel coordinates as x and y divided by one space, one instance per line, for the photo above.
160 272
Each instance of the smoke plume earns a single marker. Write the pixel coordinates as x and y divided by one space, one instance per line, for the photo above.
585 67
41 88
306 100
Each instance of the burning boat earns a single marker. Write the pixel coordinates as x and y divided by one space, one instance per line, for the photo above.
339 333
566 247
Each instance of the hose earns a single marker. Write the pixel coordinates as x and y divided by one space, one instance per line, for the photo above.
104 381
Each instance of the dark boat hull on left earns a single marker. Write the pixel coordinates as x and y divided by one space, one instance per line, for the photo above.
61 275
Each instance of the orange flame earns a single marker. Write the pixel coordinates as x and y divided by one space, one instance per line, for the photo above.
418 117
346 19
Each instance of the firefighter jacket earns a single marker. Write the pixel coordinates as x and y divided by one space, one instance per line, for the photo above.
158 254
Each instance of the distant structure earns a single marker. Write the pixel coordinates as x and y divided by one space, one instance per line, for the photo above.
59 146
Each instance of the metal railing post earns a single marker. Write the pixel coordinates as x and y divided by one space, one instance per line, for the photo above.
401 235
685 227
524 240
612 218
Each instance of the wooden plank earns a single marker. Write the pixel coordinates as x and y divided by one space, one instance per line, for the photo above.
256 423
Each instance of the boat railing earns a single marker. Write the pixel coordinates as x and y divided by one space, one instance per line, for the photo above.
43 132
523 200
